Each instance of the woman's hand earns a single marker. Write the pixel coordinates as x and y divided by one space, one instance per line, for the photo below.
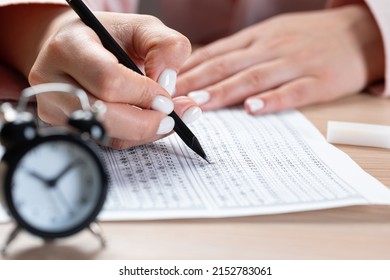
287 61
137 106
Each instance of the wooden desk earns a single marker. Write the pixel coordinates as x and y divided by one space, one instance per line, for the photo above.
361 232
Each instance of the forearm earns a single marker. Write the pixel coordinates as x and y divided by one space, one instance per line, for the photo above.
24 29
367 34
380 11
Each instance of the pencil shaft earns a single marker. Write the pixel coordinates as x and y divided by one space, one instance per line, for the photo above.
105 37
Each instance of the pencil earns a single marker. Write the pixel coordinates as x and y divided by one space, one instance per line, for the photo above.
111 45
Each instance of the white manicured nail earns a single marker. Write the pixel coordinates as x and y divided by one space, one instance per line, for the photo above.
255 105
191 115
199 96
166 125
162 104
167 80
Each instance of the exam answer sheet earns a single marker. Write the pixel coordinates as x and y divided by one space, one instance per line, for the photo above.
260 165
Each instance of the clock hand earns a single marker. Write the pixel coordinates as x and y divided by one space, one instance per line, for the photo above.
49 184
61 201
53 182
64 201
37 176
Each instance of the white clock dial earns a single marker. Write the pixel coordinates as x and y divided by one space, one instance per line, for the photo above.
55 186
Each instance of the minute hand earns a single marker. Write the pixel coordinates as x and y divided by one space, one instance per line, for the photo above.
53 182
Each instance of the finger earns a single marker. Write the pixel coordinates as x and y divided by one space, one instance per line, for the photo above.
150 41
138 126
294 94
131 124
98 71
220 68
216 48
253 80
122 121
125 123
187 109
135 126
124 133
55 108
128 125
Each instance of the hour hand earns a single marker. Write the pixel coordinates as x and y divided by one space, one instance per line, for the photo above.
37 176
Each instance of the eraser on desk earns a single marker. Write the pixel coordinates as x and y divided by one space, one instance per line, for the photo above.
359 134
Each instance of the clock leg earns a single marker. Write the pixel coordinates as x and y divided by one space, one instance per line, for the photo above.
10 238
97 231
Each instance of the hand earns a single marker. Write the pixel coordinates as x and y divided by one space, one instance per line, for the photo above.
288 61
66 50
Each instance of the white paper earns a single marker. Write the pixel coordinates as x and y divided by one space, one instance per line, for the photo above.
260 165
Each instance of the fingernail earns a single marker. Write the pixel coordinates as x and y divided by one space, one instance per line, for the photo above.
166 125
255 105
167 80
162 104
200 96
191 115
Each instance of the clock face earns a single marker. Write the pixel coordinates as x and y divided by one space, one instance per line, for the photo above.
57 187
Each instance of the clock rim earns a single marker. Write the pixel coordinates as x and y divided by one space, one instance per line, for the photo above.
12 159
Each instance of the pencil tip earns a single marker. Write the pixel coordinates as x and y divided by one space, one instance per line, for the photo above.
206 159
197 148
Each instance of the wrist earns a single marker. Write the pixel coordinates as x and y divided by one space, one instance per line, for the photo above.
364 32
28 26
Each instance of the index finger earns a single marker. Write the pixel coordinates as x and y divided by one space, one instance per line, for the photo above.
77 52
217 48
149 41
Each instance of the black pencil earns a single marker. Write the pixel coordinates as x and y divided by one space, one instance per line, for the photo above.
111 45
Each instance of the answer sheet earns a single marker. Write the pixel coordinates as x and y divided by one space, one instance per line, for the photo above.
260 165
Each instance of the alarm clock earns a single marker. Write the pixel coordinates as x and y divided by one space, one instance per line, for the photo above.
53 182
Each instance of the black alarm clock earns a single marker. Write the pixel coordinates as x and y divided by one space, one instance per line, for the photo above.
54 183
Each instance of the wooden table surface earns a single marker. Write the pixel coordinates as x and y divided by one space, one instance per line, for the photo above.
358 232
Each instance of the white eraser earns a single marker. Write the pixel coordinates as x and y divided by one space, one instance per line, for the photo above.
359 134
